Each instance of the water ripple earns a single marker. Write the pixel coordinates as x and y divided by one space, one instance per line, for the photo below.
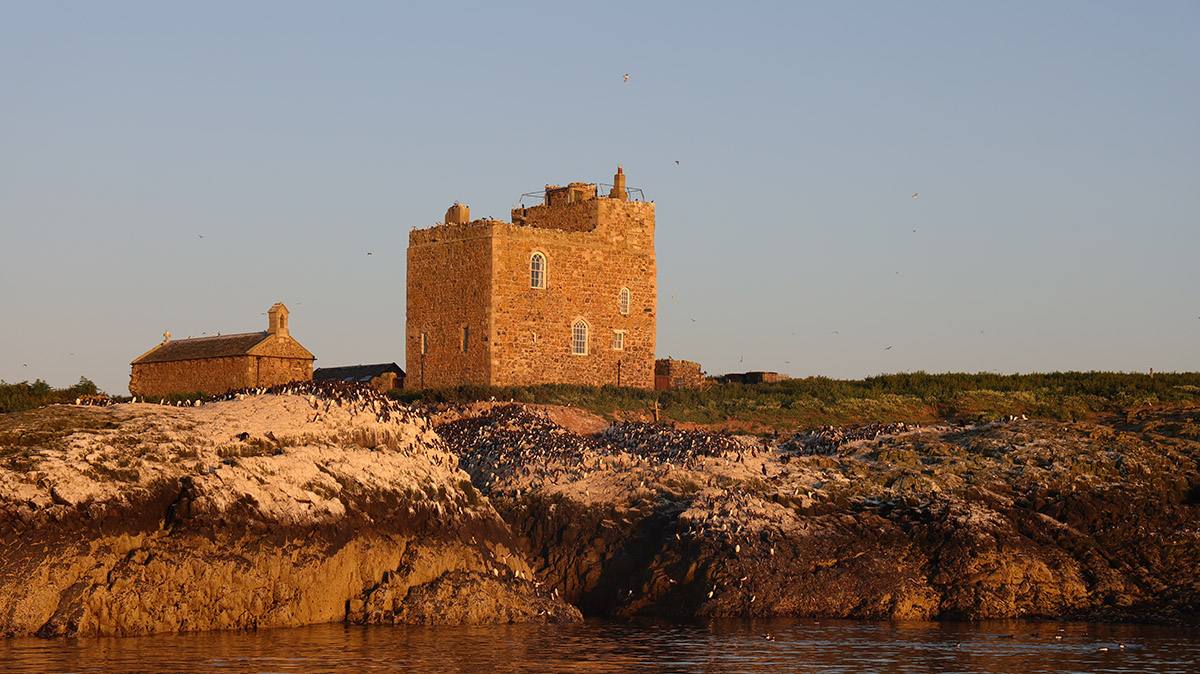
601 647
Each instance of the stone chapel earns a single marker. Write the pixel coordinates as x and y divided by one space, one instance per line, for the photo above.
214 365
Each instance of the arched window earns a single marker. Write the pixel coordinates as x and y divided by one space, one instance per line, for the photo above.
537 271
623 300
579 338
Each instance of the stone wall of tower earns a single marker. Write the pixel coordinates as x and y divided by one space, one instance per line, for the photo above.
477 275
449 272
593 249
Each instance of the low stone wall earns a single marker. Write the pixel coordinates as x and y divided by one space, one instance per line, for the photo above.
669 373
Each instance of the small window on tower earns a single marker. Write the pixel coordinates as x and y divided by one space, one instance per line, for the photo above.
623 300
537 271
618 340
424 343
465 338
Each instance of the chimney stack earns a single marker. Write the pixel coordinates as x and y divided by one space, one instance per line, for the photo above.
458 214
618 190
279 320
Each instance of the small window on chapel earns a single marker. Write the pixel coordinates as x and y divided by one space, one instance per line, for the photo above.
623 300
579 338
537 271
424 343
618 340
466 334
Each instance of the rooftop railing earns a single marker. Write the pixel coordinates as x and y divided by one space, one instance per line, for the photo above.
539 197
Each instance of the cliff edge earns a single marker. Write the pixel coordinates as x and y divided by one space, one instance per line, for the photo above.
295 508
1014 518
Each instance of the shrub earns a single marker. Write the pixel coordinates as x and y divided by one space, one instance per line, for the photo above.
26 396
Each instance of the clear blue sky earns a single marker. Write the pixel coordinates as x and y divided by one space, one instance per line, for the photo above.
1055 147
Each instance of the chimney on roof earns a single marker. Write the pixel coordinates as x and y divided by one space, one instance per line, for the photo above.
279 319
618 190
458 214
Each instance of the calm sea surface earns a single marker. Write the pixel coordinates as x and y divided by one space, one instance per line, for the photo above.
724 647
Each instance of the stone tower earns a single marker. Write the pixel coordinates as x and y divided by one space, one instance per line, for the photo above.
565 293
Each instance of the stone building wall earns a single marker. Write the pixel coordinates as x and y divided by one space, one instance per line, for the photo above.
478 275
581 216
449 272
585 271
210 375
754 378
215 376
278 359
670 373
271 371
386 382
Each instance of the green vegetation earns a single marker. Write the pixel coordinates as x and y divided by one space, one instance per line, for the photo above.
26 396
815 401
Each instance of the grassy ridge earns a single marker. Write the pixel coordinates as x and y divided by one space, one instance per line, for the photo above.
815 401
910 397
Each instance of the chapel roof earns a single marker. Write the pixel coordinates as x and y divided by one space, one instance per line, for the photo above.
220 346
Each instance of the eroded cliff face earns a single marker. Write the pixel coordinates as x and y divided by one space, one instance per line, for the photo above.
270 510
1010 519
278 510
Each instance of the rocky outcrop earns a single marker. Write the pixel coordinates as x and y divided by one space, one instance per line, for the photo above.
312 505
1000 520
268 510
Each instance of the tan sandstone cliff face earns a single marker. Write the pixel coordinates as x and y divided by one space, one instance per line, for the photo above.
272 510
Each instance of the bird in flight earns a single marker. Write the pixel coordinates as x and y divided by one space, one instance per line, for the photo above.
835 332
888 349
914 195
676 161
626 78
368 253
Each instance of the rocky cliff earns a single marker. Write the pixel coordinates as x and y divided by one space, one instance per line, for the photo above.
300 507
321 505
998 520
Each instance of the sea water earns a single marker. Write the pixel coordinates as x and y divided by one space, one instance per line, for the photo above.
721 647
